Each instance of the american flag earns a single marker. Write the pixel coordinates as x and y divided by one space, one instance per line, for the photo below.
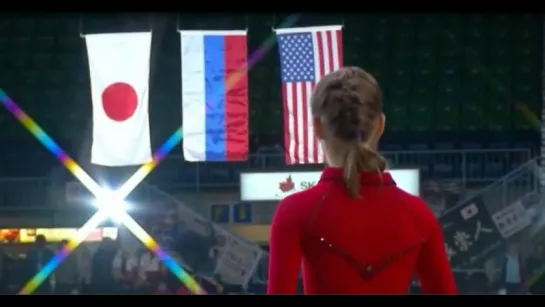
306 55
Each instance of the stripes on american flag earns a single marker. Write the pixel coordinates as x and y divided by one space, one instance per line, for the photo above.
306 55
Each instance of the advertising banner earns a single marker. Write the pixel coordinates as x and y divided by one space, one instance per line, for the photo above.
277 185
209 250
512 219
470 233
237 259
28 235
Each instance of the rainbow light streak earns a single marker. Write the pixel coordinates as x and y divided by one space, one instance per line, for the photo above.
147 168
530 116
534 278
152 245
258 54
94 188
163 151
49 144
129 185
520 106
54 262
177 136
271 40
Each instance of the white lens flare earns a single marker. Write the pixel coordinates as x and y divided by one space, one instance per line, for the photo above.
111 205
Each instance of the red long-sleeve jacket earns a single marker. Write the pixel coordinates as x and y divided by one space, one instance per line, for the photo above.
371 245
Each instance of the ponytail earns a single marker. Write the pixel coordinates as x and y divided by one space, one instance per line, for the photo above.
359 158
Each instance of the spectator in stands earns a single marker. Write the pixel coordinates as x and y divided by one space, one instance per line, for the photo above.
513 271
126 270
354 232
130 272
118 265
202 249
534 266
37 258
66 275
84 268
173 283
102 272
149 269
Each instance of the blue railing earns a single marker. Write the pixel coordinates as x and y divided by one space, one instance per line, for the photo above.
479 166
464 166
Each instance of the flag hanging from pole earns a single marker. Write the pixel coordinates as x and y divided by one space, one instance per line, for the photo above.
119 69
215 95
306 55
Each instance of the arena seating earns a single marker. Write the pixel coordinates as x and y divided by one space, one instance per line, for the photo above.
449 81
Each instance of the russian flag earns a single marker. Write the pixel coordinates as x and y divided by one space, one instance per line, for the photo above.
214 95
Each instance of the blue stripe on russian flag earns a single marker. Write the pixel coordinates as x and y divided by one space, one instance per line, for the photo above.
215 95
214 68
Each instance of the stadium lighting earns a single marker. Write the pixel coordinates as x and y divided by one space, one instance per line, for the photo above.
111 204
130 184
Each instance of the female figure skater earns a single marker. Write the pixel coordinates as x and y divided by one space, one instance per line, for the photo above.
355 232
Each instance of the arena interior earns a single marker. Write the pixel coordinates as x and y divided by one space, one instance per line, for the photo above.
462 97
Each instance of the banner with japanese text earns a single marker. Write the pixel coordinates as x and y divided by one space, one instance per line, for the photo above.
206 249
512 219
470 233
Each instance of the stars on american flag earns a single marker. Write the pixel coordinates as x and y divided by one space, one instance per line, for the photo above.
306 54
296 57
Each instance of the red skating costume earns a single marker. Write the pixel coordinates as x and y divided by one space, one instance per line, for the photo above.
372 245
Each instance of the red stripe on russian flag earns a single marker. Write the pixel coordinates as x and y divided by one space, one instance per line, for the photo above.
236 98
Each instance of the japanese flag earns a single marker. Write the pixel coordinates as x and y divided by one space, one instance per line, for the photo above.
119 68
469 211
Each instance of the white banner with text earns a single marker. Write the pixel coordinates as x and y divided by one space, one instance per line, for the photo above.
277 185
512 219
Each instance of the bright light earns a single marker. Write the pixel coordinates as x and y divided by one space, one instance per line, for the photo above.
111 204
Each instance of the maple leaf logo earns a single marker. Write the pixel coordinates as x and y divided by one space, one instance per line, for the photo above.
286 185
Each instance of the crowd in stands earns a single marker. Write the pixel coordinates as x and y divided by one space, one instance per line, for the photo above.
111 270
115 271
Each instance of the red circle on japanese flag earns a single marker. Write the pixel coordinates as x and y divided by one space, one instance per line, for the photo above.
119 101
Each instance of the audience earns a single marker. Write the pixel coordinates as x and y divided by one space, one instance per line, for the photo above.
535 264
513 271
37 258
114 270
66 275
102 273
